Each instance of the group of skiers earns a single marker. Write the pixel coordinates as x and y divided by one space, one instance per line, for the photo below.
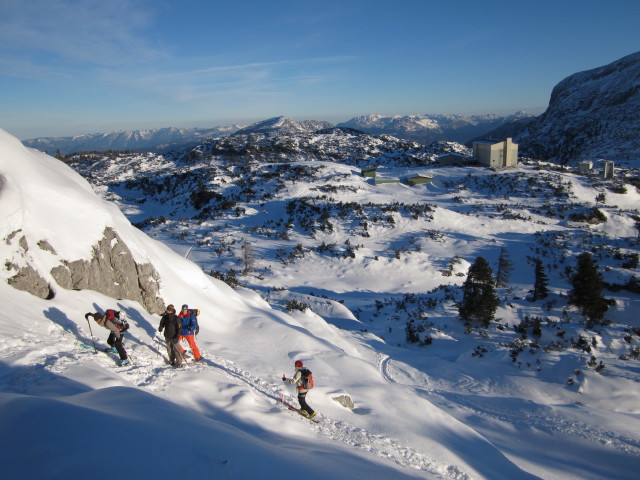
176 327
184 325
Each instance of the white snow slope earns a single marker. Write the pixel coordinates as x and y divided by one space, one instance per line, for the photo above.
68 412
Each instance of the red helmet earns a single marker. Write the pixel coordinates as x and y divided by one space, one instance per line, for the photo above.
298 363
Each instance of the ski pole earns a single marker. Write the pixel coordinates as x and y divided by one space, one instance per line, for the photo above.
95 350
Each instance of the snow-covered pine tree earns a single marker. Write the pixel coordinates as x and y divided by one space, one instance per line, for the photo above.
586 293
479 299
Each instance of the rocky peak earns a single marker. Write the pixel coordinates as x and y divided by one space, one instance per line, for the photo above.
284 126
591 115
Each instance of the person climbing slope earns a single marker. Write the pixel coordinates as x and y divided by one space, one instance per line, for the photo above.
299 379
189 323
170 323
109 321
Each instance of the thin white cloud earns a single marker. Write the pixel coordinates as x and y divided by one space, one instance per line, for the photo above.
255 79
254 66
88 31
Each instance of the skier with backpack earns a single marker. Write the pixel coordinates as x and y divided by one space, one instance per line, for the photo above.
303 380
111 320
189 329
171 325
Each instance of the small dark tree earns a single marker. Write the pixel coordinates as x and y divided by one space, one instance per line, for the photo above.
479 299
504 269
540 286
586 293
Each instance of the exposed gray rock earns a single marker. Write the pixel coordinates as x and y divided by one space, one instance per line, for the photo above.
113 272
28 280
46 246
10 237
23 243
345 401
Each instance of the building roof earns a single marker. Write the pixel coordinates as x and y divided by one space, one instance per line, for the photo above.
490 142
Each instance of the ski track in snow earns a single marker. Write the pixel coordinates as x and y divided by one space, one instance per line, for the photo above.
529 418
149 370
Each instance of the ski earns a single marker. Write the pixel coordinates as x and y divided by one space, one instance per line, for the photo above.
90 347
297 410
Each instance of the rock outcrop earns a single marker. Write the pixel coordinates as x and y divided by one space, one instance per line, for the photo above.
345 401
111 271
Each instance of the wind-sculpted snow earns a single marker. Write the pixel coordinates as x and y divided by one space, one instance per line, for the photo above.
61 353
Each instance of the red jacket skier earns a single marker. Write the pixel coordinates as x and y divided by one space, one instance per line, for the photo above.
298 380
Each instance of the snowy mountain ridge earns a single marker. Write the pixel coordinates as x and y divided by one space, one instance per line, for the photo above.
283 126
425 129
429 128
154 140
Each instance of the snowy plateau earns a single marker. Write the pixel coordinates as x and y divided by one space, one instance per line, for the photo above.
323 265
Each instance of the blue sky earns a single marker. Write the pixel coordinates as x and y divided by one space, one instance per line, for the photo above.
83 66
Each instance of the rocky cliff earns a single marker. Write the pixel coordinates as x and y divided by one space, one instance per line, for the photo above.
111 271
591 115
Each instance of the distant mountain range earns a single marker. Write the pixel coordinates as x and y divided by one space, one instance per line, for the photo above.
431 128
591 115
154 140
424 129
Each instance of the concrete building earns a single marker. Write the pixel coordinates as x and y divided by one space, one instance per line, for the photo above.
607 170
585 166
496 153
